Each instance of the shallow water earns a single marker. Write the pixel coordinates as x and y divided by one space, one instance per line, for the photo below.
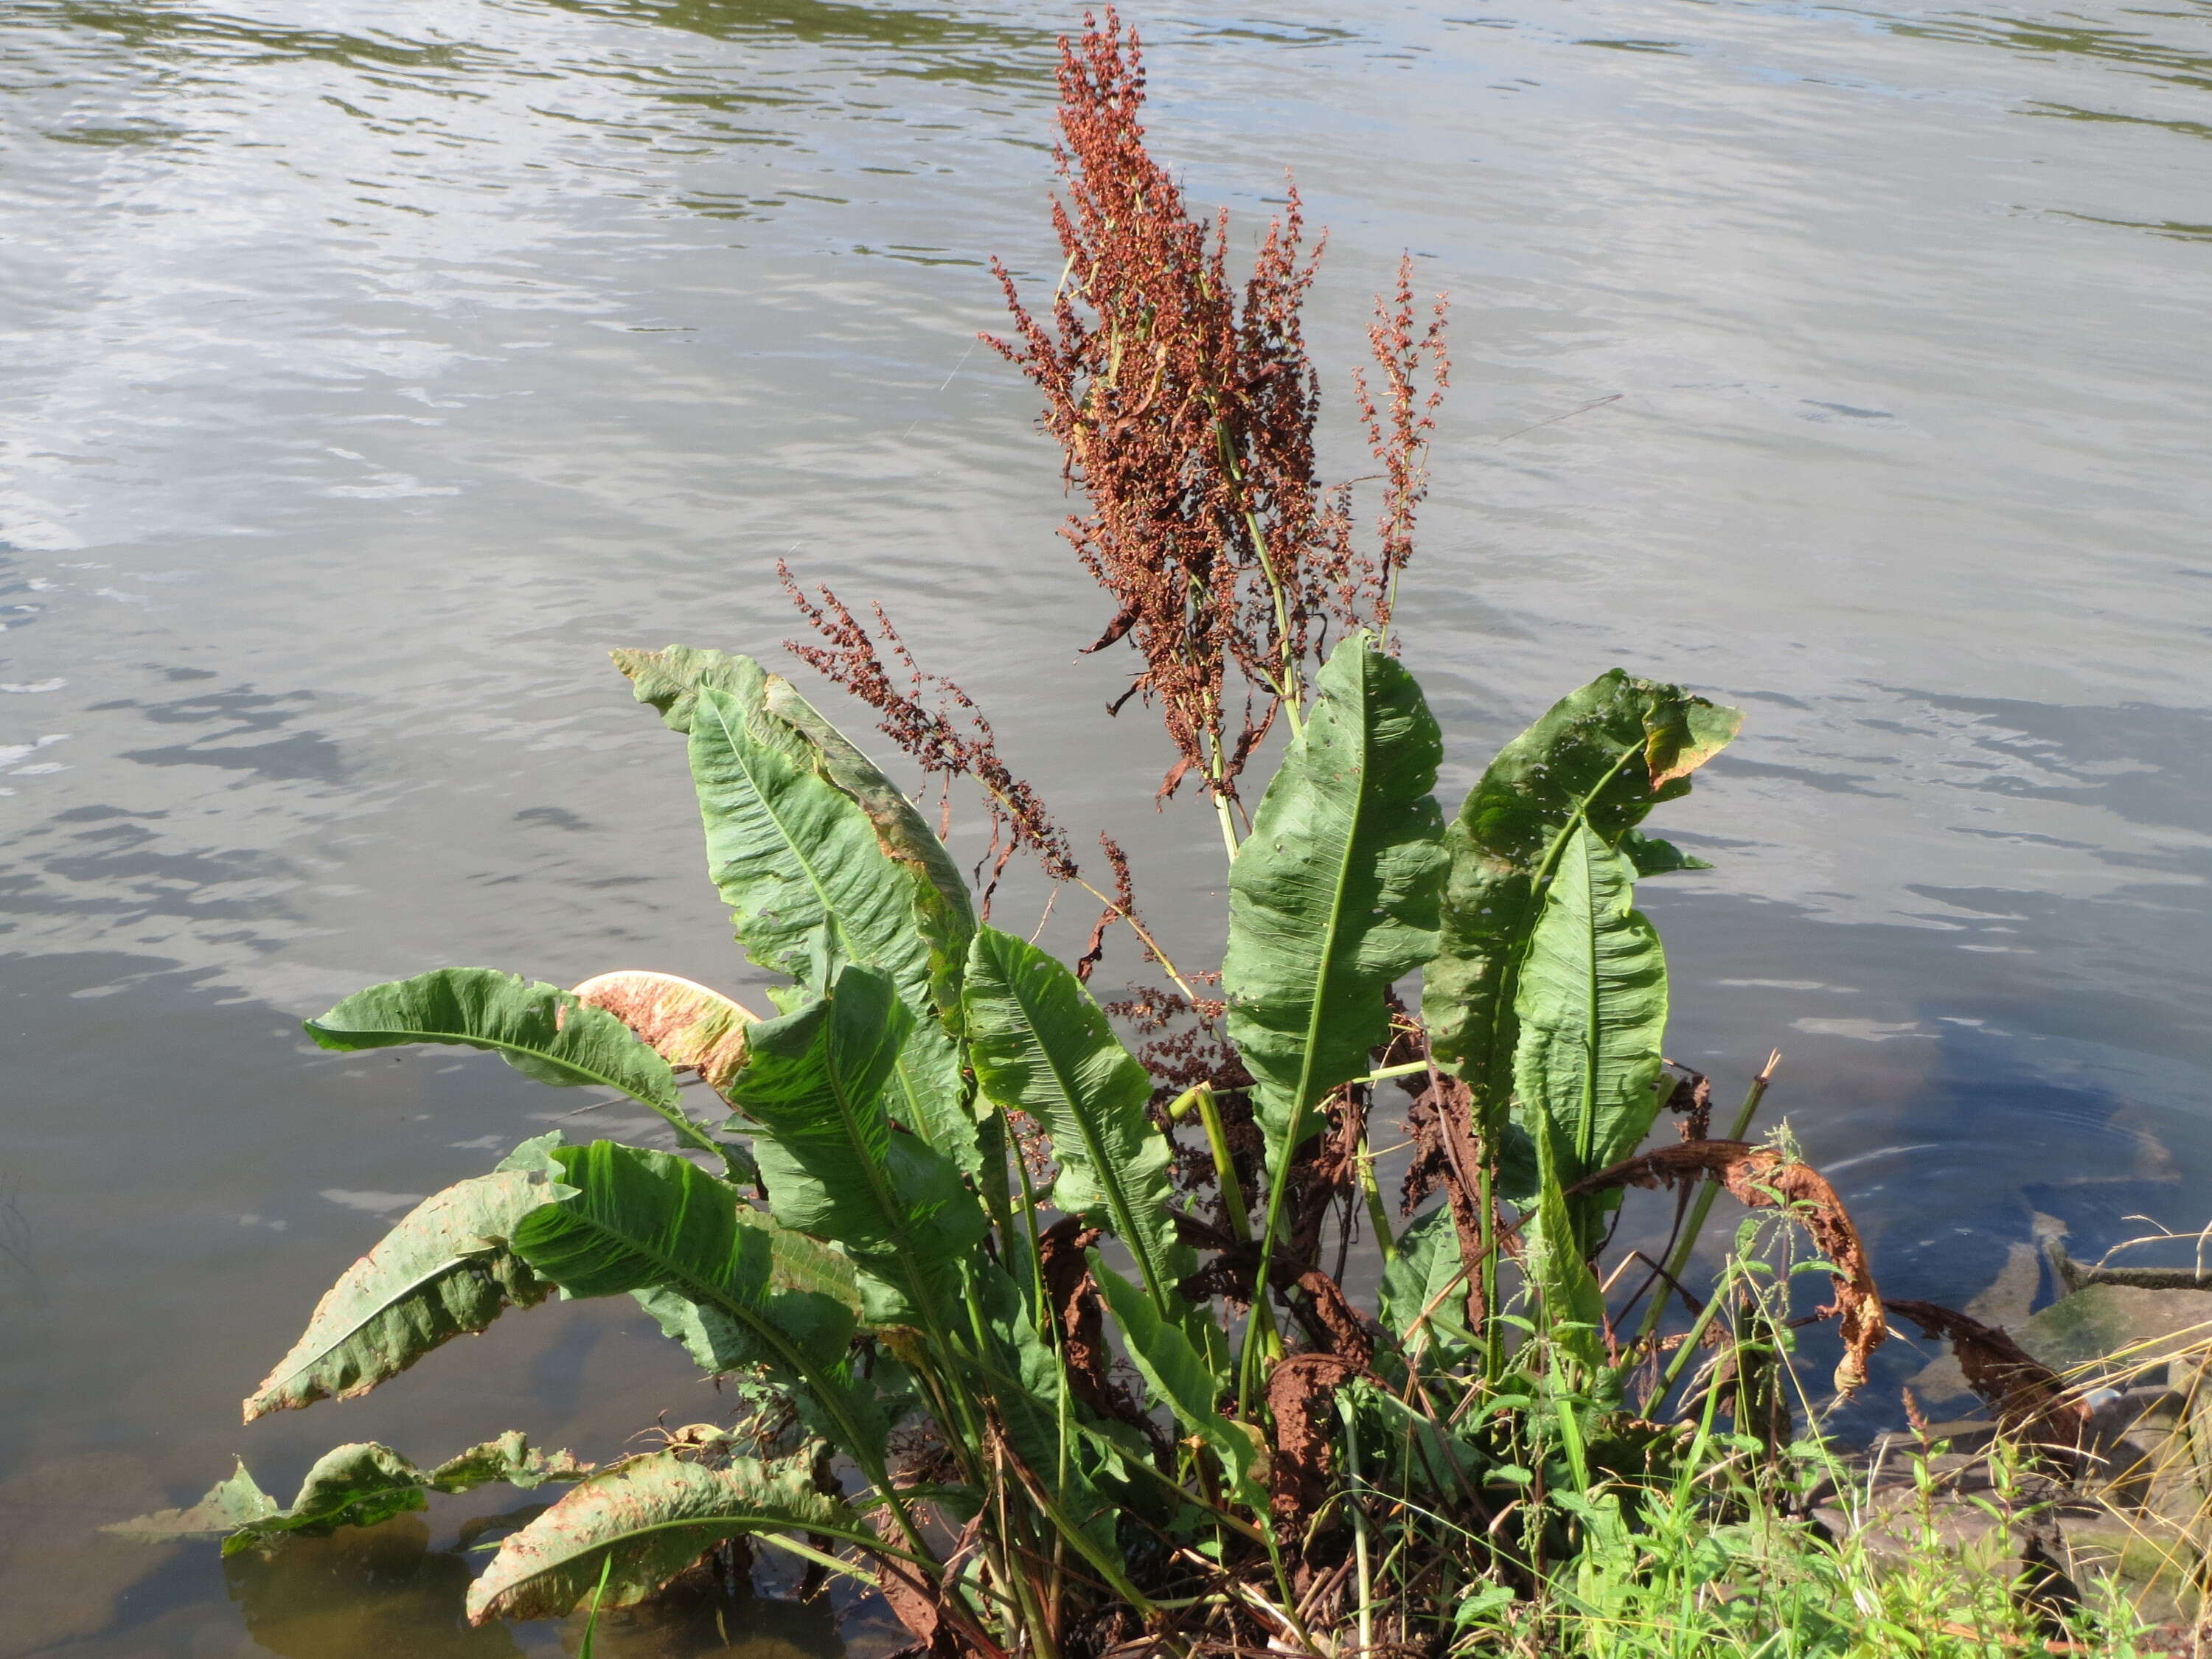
370 370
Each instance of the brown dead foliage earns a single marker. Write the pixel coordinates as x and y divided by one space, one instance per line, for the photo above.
1317 1300
1078 1315
1346 1331
1760 1178
2031 1401
1123 907
1299 1390
686 1025
1692 1100
915 1602
1446 1155
1072 1295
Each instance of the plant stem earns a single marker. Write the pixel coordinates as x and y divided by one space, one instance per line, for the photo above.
1143 935
1690 1342
1378 1217
1263 1325
1358 1524
1388 1072
1227 824
1217 1143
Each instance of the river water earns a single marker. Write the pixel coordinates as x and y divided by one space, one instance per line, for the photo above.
369 370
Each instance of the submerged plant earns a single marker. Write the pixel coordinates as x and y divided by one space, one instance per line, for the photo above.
938 1226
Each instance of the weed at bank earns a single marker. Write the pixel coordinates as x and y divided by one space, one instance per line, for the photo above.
1047 1342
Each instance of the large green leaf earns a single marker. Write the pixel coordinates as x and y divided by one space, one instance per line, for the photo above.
353 1486
731 1290
671 681
942 908
1428 1276
640 1220
1568 1296
1592 1007
444 1270
1039 1044
810 887
639 1524
540 1029
1604 755
1333 895
835 1165
1189 1380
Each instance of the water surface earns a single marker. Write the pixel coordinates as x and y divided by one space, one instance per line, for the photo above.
369 371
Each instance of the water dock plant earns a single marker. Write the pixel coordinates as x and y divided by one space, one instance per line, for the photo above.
1049 1341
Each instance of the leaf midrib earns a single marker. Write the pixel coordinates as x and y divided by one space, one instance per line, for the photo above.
384 1307
416 1033
1519 942
1104 1171
1314 1015
908 1085
719 1523
720 1296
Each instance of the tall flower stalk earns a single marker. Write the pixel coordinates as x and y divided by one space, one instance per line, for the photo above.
1186 410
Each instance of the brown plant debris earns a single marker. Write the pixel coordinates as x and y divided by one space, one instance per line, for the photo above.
1186 411
915 1602
1122 909
686 1025
1078 1313
1760 1178
2030 1400
1445 1154
1347 1333
1299 1390
1692 1100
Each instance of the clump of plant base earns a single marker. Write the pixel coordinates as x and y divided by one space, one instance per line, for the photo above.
1049 1343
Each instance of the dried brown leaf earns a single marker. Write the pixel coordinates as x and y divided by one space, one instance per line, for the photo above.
2030 1400
1692 1100
1760 1178
686 1025
1298 1389
1064 1264
1348 1337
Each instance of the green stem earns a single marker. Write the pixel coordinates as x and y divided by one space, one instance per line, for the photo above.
1217 1143
1690 1342
1220 793
1358 1524
1378 1216
1388 1072
1260 1339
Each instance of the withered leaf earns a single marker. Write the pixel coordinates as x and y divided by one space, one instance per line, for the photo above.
1298 1391
2030 1400
686 1025
1762 1179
